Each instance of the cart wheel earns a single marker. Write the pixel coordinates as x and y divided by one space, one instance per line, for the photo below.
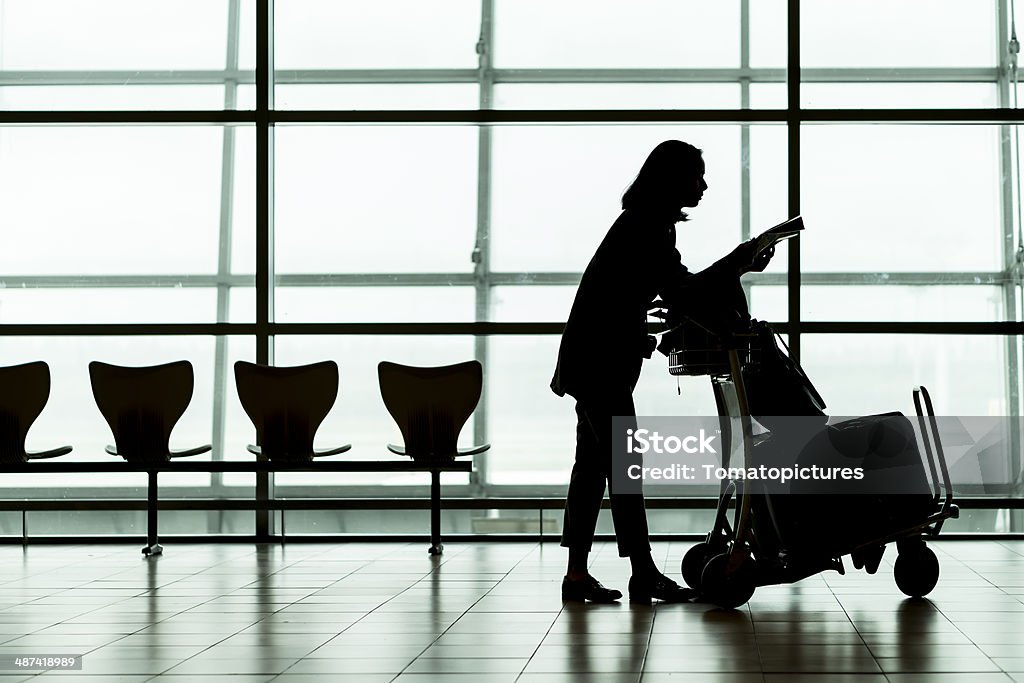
917 571
724 588
694 561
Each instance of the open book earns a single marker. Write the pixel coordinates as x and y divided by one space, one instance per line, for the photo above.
782 231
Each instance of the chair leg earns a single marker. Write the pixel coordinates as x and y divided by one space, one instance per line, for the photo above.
153 546
435 513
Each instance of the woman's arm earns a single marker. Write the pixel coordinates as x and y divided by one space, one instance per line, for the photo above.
714 294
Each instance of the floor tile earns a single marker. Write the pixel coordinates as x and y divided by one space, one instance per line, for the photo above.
383 612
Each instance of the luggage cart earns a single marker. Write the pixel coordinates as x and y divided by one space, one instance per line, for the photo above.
740 555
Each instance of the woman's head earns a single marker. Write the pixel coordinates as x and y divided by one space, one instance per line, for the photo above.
671 178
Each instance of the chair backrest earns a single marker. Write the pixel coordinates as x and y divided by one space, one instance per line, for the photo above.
142 405
287 404
431 404
24 391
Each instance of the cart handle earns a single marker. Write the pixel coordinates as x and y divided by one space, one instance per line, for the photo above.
939 455
926 438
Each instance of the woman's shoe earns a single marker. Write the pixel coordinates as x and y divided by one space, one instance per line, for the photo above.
658 586
590 589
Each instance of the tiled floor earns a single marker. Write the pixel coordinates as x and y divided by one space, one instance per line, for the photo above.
489 612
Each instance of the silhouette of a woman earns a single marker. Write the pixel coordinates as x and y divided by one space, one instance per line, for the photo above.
603 346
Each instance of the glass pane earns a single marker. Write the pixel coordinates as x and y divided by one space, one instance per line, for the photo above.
123 524
110 97
551 303
533 432
769 191
119 54
639 34
247 39
359 416
985 521
388 34
658 521
368 522
247 97
866 374
898 95
769 302
113 35
241 305
374 304
371 199
71 304
551 216
531 303
243 202
911 33
975 303
170 303
768 32
659 393
377 96
877 198
100 200
567 203
71 416
769 96
239 431
616 96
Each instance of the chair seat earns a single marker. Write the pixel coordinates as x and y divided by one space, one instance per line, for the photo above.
287 404
473 450
51 453
321 452
141 405
26 390
317 452
205 448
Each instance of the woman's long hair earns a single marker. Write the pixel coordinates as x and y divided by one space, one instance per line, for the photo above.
658 180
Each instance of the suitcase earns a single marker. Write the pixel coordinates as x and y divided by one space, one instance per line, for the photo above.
839 515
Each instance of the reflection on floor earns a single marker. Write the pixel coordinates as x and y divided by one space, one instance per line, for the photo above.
488 612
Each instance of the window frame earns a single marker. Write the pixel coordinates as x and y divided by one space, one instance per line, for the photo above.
265 117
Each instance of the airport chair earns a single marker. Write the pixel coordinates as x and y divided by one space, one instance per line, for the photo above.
431 405
287 406
24 391
142 405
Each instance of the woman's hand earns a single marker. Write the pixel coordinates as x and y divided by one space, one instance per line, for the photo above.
745 259
760 261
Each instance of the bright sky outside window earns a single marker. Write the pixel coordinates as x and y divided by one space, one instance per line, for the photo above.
402 200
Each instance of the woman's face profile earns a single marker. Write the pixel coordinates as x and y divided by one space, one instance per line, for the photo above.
692 188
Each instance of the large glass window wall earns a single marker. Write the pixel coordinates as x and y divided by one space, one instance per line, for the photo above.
294 180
